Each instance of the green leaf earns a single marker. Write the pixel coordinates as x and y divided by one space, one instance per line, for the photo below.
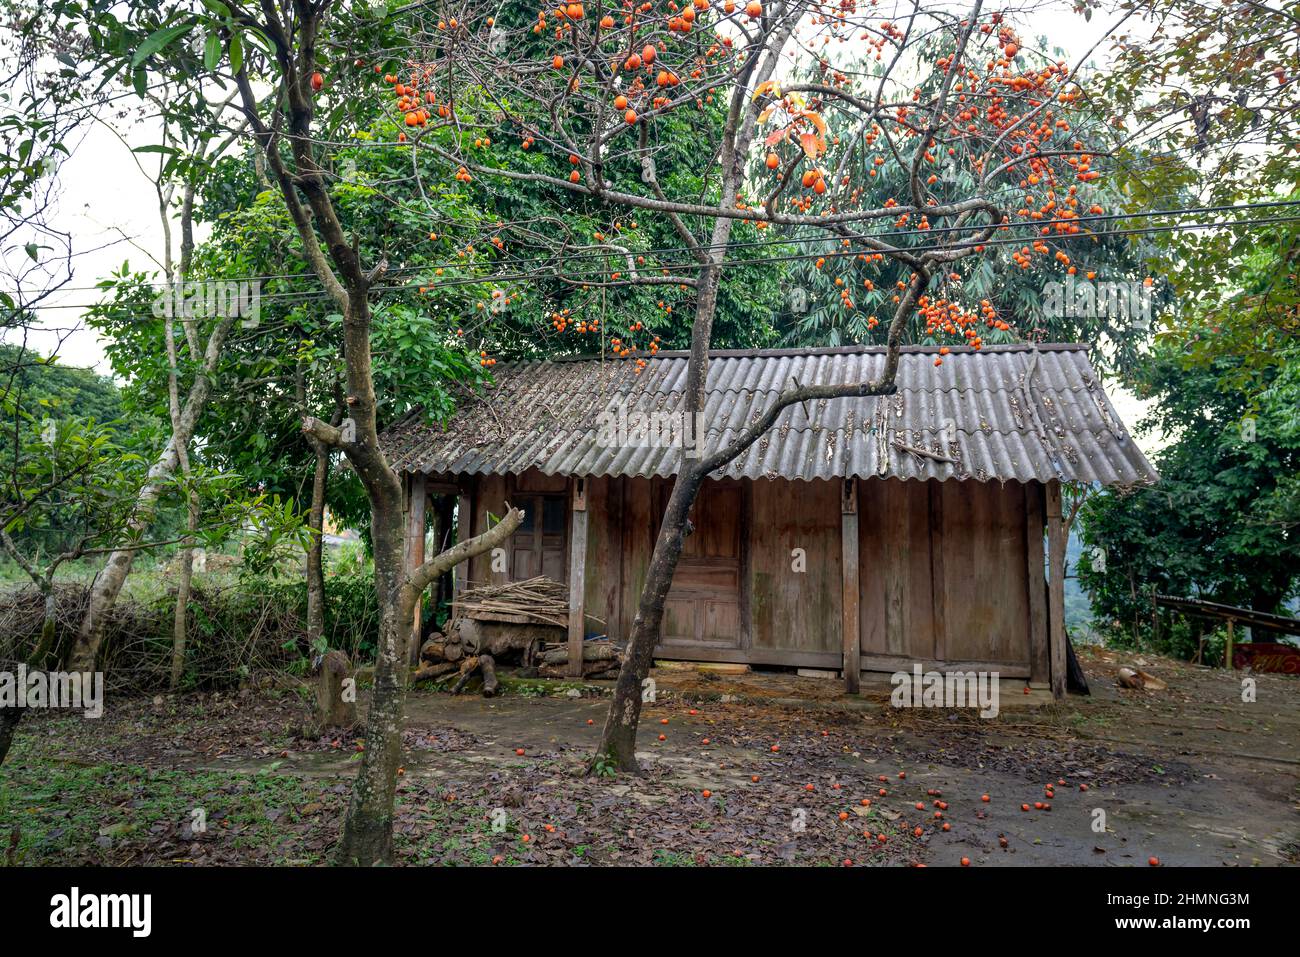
236 53
158 40
220 9
211 51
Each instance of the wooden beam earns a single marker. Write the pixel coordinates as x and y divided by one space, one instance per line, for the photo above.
577 574
416 500
1243 616
1227 649
850 628
1036 583
1056 589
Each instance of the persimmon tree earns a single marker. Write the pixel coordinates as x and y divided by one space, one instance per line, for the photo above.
971 125
815 314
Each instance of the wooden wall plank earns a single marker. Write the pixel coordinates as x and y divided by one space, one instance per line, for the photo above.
640 525
489 498
604 553
746 603
898 560
897 571
919 582
871 565
1056 588
986 601
938 578
850 627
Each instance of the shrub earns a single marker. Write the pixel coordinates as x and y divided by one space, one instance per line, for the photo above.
238 628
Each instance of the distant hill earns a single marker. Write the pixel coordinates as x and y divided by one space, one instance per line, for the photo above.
1078 610
56 390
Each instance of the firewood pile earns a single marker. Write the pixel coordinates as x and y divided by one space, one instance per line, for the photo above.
523 622
472 648
538 600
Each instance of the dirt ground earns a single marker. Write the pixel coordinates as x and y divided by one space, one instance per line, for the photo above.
758 769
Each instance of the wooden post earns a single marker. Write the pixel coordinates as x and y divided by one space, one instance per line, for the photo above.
850 630
1056 589
1227 651
417 498
577 574
464 532
1039 650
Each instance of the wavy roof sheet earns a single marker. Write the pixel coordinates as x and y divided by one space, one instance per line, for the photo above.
1004 413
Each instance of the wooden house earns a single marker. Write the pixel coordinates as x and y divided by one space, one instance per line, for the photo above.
856 535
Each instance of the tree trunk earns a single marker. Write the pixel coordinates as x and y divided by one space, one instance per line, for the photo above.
9 719
316 550
368 828
618 742
180 620
41 656
108 583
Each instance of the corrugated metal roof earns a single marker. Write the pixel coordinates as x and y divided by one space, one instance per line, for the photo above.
1002 413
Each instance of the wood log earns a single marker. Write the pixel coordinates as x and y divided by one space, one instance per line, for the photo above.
441 648
434 670
499 639
467 669
488 667
589 669
591 651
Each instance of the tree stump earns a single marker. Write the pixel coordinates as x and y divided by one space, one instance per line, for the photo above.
336 694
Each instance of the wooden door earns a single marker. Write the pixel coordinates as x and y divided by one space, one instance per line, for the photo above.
703 605
538 546
895 561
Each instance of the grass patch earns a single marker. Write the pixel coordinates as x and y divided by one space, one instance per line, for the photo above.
113 814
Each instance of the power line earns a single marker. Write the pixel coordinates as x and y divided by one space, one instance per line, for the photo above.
749 244
307 296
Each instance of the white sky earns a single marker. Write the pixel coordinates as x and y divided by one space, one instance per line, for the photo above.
106 202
